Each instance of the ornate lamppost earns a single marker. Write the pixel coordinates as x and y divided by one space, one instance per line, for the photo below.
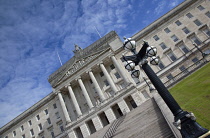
183 120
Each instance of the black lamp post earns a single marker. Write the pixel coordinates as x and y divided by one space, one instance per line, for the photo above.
184 120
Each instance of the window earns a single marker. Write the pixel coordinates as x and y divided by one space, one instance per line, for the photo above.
112 66
167 30
184 48
206 31
90 81
46 111
156 38
178 23
163 46
117 75
57 115
106 83
21 128
54 106
170 76
32 132
200 7
61 127
6 137
160 65
196 40
40 126
52 134
172 56
186 30
207 14
183 69
189 15
197 22
14 133
101 74
29 122
37 117
49 121
23 136
195 60
174 38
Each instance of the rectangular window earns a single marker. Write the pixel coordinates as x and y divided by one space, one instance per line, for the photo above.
23 136
200 7
101 74
207 14
52 134
106 83
163 46
167 30
189 15
196 40
22 128
172 56
206 31
184 48
186 30
46 111
178 23
37 117
32 132
49 121
54 106
61 127
117 75
156 38
197 22
195 60
174 38
40 126
29 122
160 65
183 69
14 133
170 76
57 115
112 66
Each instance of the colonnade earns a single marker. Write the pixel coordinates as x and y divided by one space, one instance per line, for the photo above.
113 86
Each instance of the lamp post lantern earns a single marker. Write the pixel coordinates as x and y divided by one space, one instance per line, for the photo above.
183 120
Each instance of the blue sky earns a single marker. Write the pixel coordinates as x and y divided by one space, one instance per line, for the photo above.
33 31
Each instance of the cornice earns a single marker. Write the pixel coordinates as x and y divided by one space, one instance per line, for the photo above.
27 113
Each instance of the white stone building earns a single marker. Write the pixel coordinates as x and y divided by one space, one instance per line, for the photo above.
93 89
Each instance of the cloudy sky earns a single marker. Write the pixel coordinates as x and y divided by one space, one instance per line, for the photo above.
33 31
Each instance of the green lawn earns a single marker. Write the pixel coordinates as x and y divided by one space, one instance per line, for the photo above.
193 95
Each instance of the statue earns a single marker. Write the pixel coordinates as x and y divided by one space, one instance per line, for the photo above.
77 48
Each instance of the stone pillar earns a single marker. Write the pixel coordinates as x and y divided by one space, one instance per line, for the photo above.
120 69
110 115
123 106
85 131
74 100
137 98
97 123
97 87
108 77
72 134
64 109
85 93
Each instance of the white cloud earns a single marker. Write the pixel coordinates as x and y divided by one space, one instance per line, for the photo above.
160 7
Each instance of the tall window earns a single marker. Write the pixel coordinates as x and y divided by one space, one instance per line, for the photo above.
156 38
49 121
57 115
22 128
189 15
29 122
23 136
61 127
196 40
32 132
112 66
163 46
186 30
40 126
197 22
46 111
183 69
106 82
101 74
200 7
206 31
117 75
171 56
14 133
178 23
170 76
167 30
37 117
52 133
160 65
207 14
184 48
174 38
54 106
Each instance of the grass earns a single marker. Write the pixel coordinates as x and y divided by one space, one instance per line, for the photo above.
193 95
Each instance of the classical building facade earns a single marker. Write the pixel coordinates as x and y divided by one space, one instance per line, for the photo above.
93 90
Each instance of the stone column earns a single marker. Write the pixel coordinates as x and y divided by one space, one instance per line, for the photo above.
120 69
97 87
64 109
108 77
74 100
85 93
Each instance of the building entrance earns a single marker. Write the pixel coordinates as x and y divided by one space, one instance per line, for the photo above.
117 112
130 102
91 126
104 119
